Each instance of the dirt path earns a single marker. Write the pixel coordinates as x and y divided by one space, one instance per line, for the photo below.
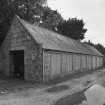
43 96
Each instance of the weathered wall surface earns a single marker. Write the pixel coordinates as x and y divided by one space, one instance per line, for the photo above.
98 62
83 62
70 63
76 62
19 39
61 63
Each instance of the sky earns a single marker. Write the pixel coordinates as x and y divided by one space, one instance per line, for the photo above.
91 11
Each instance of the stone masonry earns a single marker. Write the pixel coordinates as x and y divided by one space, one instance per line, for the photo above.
18 38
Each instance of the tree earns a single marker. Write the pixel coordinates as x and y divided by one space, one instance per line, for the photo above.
26 9
51 18
73 28
5 18
98 46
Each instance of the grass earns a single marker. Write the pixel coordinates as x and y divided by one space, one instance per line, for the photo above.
60 79
57 88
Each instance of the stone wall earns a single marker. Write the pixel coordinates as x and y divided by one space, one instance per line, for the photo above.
18 38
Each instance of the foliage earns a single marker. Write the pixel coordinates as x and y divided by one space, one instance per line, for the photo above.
98 46
26 9
5 18
101 48
51 18
73 28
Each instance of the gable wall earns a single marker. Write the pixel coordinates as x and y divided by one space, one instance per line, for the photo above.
19 39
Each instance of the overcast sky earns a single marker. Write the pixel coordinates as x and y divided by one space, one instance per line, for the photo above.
91 11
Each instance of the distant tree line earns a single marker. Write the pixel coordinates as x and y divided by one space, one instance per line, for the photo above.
98 46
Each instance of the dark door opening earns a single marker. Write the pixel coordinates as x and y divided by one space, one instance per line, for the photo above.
17 64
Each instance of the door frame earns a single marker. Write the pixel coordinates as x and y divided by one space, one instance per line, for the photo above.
11 54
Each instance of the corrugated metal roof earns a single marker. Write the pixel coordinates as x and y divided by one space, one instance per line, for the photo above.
54 41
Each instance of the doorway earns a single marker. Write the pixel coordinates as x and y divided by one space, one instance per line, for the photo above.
17 64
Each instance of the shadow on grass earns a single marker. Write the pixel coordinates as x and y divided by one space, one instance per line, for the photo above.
87 83
57 88
74 99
